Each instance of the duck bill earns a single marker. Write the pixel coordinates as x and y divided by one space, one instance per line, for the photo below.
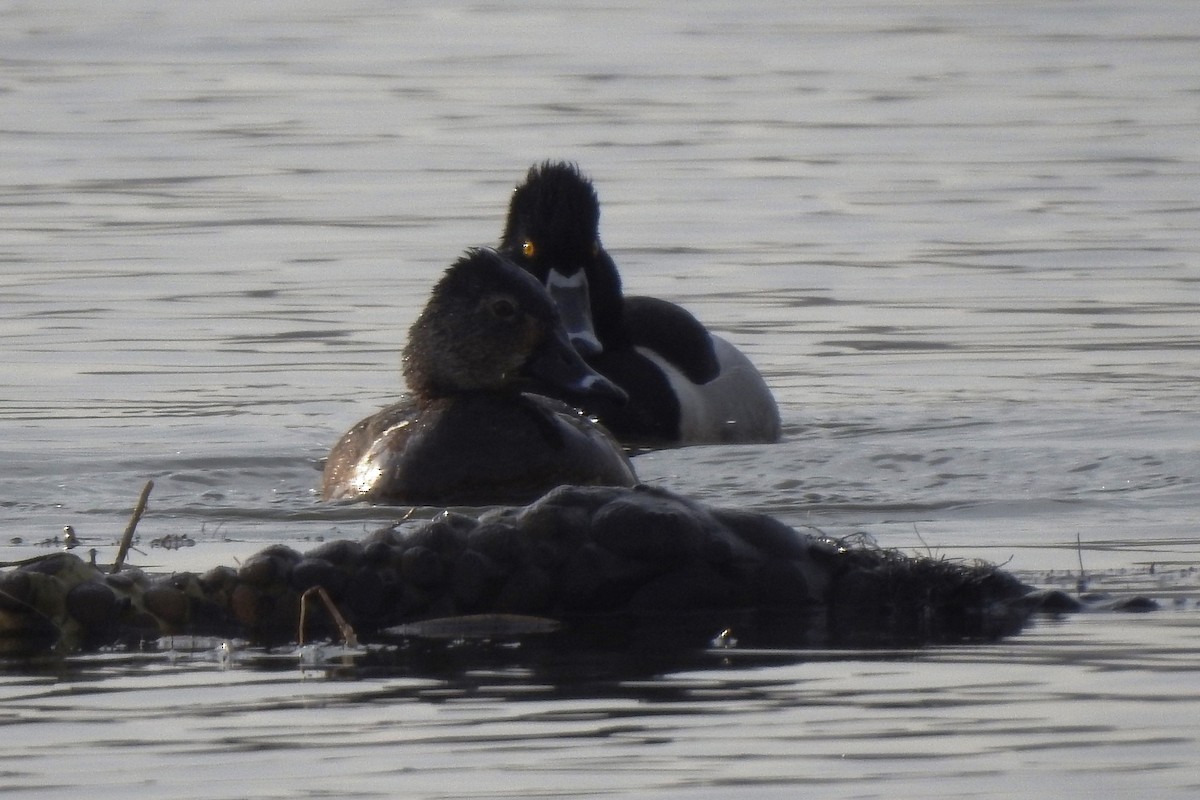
558 366
570 294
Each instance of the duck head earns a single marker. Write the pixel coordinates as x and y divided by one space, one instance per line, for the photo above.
490 326
552 231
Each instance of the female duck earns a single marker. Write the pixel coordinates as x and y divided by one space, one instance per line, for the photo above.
468 434
685 385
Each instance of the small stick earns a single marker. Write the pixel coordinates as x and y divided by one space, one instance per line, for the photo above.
344 627
1082 583
127 537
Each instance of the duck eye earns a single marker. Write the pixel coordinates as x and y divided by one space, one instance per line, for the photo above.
504 308
527 249
595 248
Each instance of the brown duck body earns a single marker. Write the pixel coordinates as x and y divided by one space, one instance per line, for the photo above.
469 434
472 449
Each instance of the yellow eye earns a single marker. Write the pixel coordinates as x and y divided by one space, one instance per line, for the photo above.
527 249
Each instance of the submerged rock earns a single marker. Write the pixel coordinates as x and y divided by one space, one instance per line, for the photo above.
582 558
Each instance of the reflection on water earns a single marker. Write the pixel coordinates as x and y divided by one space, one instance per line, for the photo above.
959 239
1093 704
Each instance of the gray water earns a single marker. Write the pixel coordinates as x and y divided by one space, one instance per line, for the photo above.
960 239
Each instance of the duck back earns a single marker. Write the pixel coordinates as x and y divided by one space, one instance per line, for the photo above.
472 449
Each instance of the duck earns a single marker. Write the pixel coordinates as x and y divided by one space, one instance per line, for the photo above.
684 384
476 427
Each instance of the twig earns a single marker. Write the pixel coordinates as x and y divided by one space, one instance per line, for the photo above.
344 627
127 537
1082 583
921 539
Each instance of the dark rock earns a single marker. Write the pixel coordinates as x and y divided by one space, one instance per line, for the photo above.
1136 605
422 567
342 553
389 536
1055 601
311 571
499 541
92 604
765 534
53 564
269 566
16 591
217 583
596 580
270 615
693 587
476 579
779 583
529 590
380 553
124 581
366 596
643 562
445 535
168 604
645 528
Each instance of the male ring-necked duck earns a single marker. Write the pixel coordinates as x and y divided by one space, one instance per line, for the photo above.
685 385
469 434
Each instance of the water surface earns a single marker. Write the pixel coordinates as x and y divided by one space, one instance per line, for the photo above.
960 240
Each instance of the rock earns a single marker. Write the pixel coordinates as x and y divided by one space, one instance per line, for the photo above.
313 571
167 604
476 580
644 528
421 566
92 604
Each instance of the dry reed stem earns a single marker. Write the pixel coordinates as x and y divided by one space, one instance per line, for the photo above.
347 632
127 537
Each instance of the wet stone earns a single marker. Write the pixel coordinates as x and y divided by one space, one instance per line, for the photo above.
267 613
310 572
458 524
388 536
167 603
366 596
476 579
858 590
500 542
125 580
379 553
1136 605
16 591
765 534
48 596
529 590
693 587
560 527
648 529
57 564
446 535
218 582
422 567
92 604
587 498
269 566
342 553
593 552
596 579
780 584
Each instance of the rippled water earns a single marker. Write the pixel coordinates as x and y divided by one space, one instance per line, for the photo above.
960 239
